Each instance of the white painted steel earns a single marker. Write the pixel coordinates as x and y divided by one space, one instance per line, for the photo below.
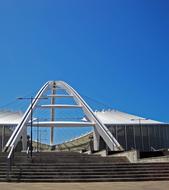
103 131
62 124
111 142
60 96
13 140
60 106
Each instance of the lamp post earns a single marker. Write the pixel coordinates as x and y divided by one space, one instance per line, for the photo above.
31 109
37 136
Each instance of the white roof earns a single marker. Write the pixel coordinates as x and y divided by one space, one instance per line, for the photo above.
10 118
117 117
106 117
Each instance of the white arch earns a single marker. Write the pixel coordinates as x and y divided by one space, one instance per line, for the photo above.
102 130
13 140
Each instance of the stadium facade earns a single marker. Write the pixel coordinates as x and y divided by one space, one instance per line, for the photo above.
8 122
132 132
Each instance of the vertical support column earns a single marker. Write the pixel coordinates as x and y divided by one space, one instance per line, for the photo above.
164 137
159 134
24 139
148 133
155 137
96 139
3 135
125 135
141 131
52 115
37 137
134 136
116 132
113 133
167 136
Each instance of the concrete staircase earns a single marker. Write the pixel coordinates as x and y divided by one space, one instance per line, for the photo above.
76 167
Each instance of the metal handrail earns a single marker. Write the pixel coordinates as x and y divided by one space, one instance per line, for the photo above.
10 161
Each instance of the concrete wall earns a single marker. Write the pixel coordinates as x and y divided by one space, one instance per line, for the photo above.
133 157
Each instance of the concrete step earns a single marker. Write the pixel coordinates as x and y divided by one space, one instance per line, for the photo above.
83 178
56 157
86 165
52 171
88 173
106 167
76 167
86 180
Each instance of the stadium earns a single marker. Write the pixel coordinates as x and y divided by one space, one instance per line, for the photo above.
132 132
116 146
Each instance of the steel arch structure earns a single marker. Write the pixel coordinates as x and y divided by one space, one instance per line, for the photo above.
99 128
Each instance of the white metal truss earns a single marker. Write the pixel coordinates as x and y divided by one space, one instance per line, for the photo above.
92 120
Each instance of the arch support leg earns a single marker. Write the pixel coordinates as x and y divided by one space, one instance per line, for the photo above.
24 139
96 139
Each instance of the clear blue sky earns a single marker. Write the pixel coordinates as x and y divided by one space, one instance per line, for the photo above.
114 51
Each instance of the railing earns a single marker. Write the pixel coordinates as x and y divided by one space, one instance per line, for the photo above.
10 162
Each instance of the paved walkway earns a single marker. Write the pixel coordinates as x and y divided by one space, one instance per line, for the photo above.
87 186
